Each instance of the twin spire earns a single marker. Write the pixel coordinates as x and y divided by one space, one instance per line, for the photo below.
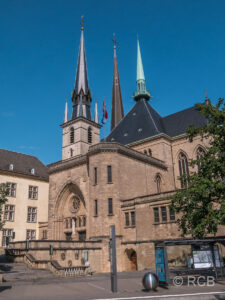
117 113
81 95
141 92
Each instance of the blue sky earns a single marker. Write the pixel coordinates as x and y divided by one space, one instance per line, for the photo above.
183 52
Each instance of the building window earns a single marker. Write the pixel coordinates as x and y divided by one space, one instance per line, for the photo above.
11 189
84 221
71 152
200 154
163 213
95 176
44 235
149 152
96 208
32 214
71 222
127 219
67 223
109 173
6 236
172 214
9 213
158 183
145 152
80 222
156 214
71 135
110 206
132 214
33 192
31 234
89 135
183 169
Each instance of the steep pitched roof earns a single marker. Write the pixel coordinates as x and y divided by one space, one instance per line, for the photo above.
177 123
143 122
22 164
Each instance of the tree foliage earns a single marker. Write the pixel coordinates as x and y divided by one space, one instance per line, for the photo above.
201 206
3 199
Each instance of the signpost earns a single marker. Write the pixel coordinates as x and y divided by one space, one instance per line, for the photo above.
113 266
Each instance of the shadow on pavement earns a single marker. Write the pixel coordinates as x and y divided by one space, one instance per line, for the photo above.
7 287
5 267
218 297
149 291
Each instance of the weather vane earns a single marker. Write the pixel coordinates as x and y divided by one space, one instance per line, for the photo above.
82 22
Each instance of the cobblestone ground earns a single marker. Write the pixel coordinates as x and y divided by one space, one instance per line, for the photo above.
22 283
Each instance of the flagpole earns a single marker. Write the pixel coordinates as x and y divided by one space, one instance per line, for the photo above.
104 133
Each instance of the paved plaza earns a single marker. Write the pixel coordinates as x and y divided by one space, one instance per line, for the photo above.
22 283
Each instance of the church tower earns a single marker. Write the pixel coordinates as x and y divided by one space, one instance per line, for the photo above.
117 113
80 132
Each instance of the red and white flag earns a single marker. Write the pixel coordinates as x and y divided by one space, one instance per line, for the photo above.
105 114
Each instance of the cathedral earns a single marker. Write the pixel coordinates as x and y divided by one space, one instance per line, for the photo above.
125 180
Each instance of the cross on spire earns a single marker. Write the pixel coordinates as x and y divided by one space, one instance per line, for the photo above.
82 22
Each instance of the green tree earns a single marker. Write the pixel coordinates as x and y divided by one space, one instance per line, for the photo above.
3 199
201 205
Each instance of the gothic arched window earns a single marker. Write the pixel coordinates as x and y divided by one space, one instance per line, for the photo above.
200 154
149 152
71 135
183 169
71 152
158 183
89 135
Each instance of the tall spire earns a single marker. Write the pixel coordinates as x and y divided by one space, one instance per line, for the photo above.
96 113
117 113
141 92
81 83
66 112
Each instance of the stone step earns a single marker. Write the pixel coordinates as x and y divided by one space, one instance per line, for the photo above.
19 272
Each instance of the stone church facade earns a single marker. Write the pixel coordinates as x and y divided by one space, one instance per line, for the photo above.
125 180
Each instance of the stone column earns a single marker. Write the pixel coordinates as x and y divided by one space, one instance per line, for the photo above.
73 228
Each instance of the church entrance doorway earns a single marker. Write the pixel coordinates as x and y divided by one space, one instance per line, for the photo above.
131 260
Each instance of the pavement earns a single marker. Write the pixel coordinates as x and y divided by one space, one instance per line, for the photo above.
22 283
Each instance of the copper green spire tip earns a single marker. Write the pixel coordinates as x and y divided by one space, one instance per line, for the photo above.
140 71
141 92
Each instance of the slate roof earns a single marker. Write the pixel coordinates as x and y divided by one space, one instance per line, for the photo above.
143 121
22 164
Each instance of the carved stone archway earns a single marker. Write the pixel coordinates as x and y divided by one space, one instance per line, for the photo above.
130 260
70 214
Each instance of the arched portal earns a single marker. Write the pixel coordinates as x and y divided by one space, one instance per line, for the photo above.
70 214
131 260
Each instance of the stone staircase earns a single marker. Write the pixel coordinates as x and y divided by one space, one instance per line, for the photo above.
52 265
